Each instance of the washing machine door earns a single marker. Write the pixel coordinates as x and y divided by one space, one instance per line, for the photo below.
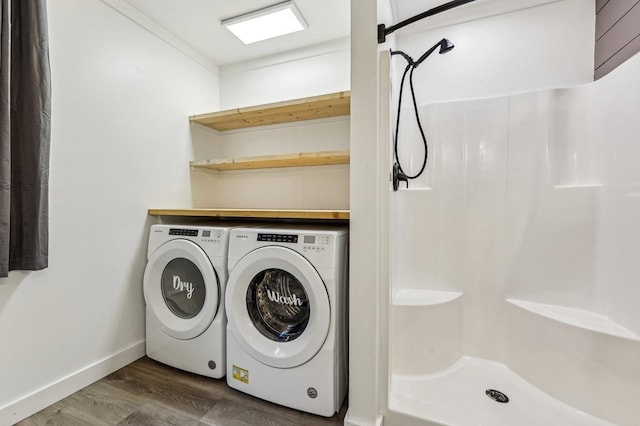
277 307
181 289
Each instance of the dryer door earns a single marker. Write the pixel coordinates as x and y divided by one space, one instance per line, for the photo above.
277 307
181 289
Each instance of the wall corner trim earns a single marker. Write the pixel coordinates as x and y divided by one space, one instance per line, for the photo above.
163 34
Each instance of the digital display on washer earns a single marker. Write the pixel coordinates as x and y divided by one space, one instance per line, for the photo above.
206 234
278 238
309 239
183 232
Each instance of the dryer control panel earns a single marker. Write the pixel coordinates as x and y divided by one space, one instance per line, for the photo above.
214 240
208 236
183 232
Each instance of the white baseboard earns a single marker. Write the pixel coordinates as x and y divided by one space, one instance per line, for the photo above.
30 404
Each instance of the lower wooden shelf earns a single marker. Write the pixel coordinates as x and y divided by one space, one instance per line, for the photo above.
255 213
322 158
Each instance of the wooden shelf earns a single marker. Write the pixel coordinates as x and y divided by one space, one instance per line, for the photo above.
331 105
324 106
322 158
255 213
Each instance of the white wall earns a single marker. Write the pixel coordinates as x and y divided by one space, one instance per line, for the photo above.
314 71
495 55
120 145
546 46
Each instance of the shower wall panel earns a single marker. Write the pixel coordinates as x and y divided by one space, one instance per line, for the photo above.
529 224
617 133
535 48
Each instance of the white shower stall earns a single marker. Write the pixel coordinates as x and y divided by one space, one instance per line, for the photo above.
514 257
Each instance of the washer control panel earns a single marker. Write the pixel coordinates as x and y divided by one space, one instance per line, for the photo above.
315 243
306 242
278 238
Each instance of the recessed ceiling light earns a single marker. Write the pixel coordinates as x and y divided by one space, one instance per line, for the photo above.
273 21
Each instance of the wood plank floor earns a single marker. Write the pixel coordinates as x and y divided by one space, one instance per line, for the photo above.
149 393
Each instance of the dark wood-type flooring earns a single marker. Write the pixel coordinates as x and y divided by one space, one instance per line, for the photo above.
149 393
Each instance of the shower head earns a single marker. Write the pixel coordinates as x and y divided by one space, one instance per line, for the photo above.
444 45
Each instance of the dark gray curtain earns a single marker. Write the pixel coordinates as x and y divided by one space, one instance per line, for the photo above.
25 130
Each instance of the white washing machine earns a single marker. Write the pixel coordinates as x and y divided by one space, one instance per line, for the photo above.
184 284
287 316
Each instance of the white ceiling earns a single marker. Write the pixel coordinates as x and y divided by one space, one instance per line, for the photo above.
197 23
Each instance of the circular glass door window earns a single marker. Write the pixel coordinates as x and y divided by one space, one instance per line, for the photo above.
278 305
183 288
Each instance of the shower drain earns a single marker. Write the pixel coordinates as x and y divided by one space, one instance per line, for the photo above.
497 396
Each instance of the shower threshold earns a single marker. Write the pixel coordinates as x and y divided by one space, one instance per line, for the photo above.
465 394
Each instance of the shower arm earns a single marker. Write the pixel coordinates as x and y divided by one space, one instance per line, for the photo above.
383 31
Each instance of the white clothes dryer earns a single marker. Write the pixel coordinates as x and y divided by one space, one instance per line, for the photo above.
184 284
287 316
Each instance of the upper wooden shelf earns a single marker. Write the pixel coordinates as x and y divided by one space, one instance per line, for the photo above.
322 158
255 213
331 105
